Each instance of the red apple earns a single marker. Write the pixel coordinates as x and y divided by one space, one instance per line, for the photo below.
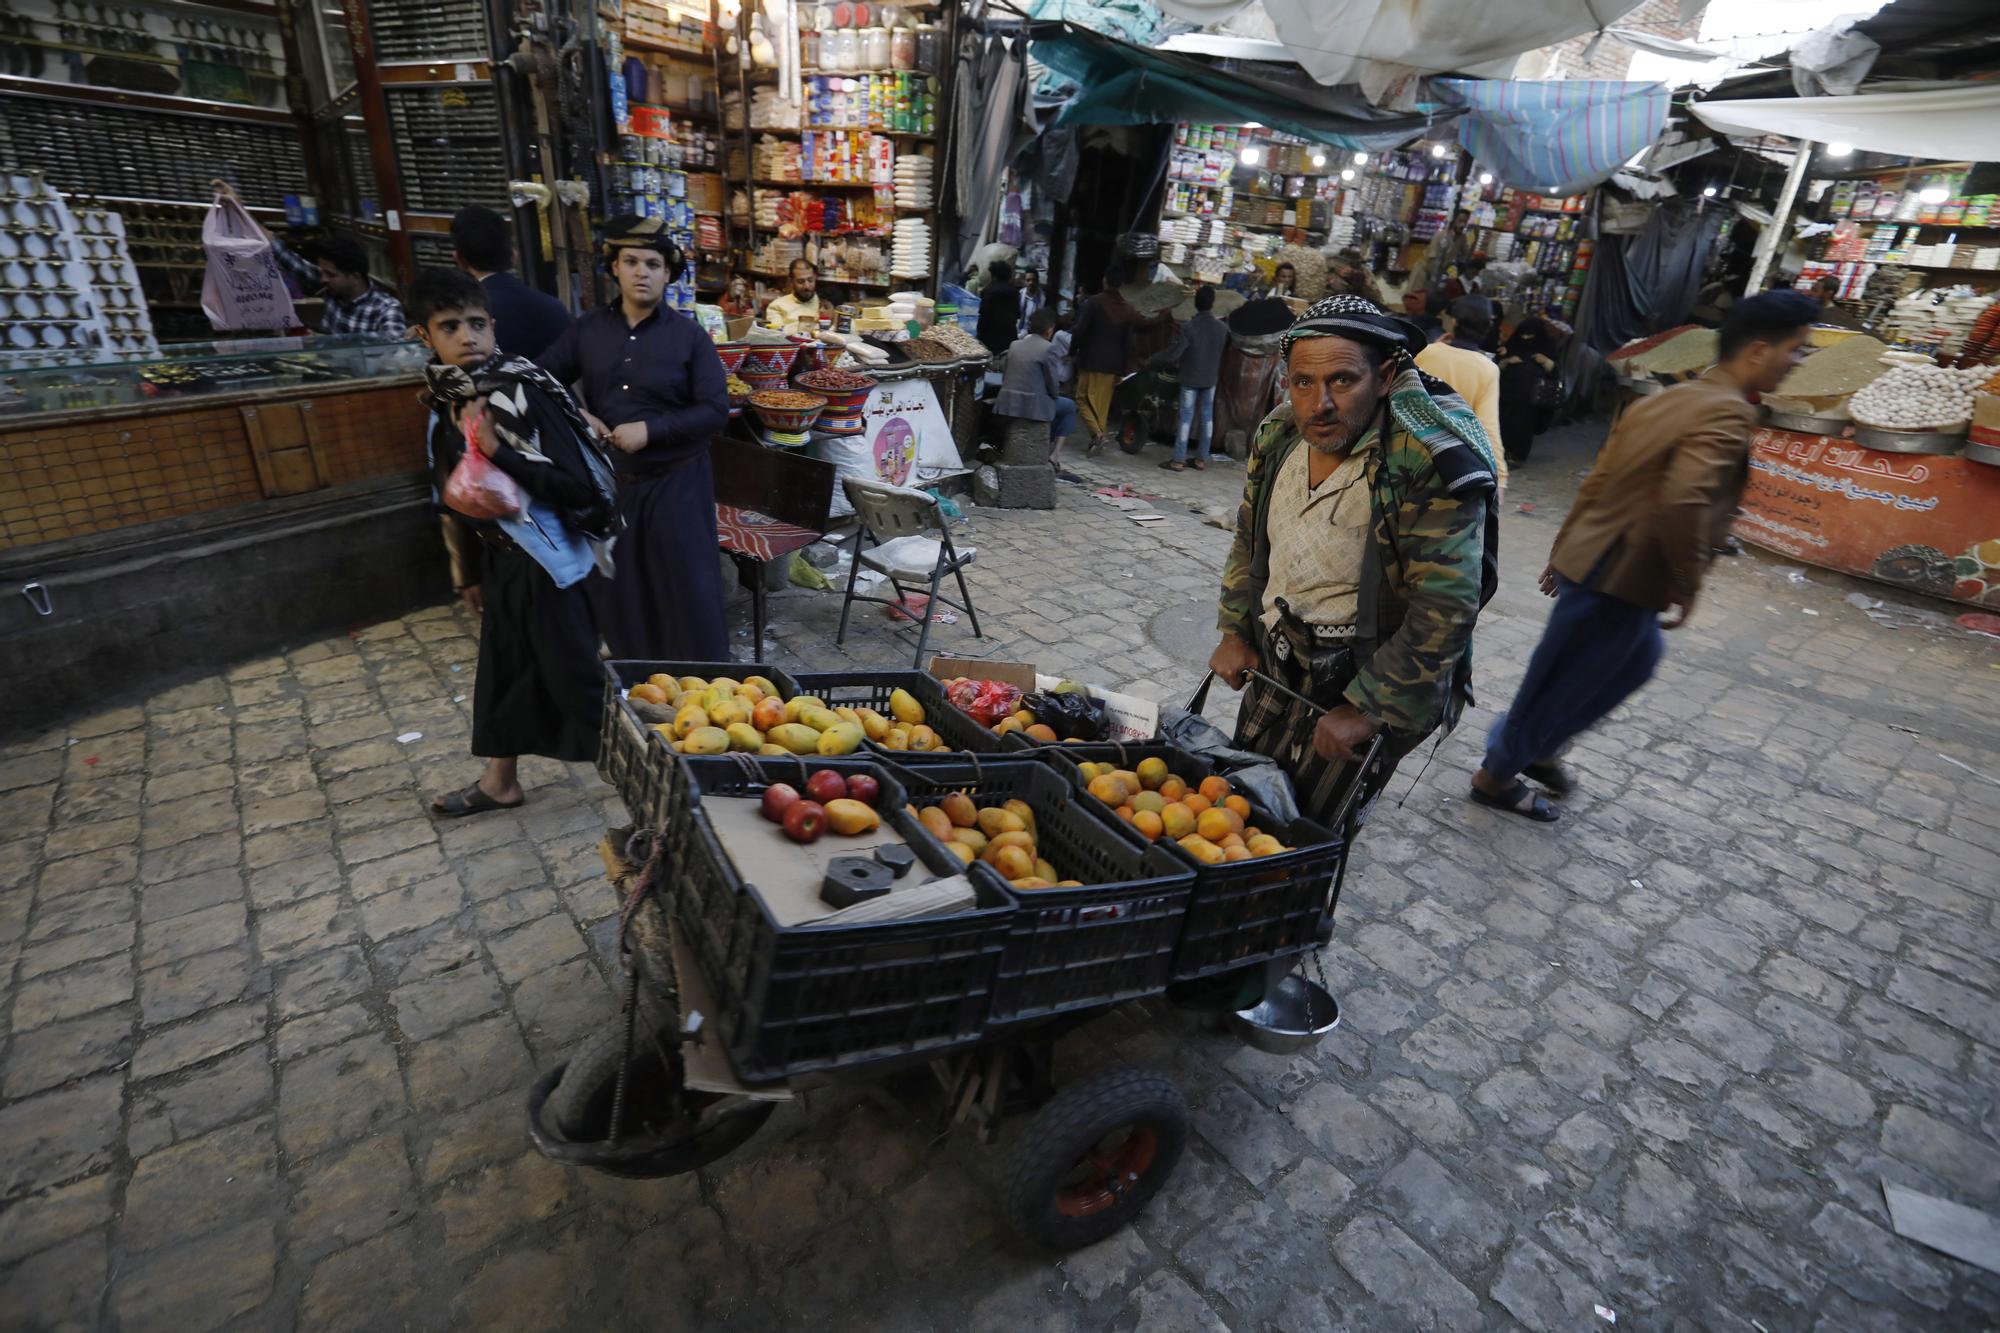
805 821
863 788
825 785
779 797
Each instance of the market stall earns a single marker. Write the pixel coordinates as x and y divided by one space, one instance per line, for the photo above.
1872 461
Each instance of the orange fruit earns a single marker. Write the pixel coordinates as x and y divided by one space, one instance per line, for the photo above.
1149 824
1006 725
1152 772
1177 821
1124 812
1215 789
1239 805
1235 854
1149 800
1129 778
1041 731
1172 790
1233 840
1109 789
1196 802
1216 823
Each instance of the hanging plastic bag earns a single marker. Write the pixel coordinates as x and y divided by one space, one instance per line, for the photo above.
1258 776
476 488
242 287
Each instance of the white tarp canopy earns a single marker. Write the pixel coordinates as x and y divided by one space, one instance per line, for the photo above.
1350 41
1944 124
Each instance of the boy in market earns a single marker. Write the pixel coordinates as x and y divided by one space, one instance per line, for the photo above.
539 686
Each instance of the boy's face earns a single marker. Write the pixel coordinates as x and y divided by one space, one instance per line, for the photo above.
641 274
461 338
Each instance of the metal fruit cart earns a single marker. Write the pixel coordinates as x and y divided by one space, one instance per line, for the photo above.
726 1012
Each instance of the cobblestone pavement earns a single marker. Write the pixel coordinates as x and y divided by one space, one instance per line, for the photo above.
269 1026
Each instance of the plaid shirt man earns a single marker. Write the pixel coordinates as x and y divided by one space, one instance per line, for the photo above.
373 314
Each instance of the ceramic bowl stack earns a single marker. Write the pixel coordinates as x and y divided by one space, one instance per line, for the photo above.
913 181
911 255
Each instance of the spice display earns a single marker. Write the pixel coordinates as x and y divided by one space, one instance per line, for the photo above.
1692 349
786 400
835 381
957 341
1919 398
739 387
1824 380
929 352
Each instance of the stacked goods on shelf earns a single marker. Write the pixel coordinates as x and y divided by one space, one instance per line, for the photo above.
1937 321
900 102
911 257
913 182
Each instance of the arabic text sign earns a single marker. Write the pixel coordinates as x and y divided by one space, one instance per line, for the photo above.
908 435
1903 518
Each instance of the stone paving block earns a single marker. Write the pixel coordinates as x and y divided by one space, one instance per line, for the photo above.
496 1201
560 1006
1873 1265
30 1226
303 1036
294 843
54 1136
412 907
401 870
1540 1292
481 1059
1396 1271
304 927
375 1284
195 1102
73 992
436 1004
540 944
191 860
62 1287
191 985
178 821
338 1094
65 951
282 811
201 1284
1343 1127
54 1054
199 1186
90 872
321 980
351 1195
203 930
167 1049
97 836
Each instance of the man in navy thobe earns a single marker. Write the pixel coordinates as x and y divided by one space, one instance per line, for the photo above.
654 386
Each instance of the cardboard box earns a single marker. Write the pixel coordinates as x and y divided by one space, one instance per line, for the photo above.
1128 718
739 326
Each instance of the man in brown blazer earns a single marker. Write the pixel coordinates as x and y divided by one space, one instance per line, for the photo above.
1635 545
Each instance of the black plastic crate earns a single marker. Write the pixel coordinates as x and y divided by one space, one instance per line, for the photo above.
795 999
1072 948
634 758
1241 912
871 689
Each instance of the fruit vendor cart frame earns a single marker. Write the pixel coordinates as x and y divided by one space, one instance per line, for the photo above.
660 1091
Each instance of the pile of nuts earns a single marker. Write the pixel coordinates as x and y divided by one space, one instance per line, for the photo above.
835 381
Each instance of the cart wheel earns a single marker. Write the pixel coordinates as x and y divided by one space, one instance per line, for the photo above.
685 1137
1092 1157
1132 432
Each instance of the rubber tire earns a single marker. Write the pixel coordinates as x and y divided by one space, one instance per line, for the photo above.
1132 432
579 1106
1069 1125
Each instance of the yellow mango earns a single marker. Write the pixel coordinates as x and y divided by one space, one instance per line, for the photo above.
1043 870
707 740
693 684
795 737
744 737
728 713
728 683
840 738
819 719
897 739
763 684
1021 811
993 821
796 706
923 738
772 748
873 724
689 719
904 707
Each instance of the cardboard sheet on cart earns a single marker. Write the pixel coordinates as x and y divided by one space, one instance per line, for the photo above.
1128 718
786 875
704 1066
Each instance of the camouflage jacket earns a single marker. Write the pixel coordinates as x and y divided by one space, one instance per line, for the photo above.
1428 571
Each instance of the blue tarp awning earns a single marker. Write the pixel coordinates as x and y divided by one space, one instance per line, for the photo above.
1555 138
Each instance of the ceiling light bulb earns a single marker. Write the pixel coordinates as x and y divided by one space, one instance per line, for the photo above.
1485 178
1249 156
1361 159
1319 159
1347 173
1839 149
1439 150
1708 192
1933 194
1253 124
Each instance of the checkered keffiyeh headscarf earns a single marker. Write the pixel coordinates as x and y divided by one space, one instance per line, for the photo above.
1359 319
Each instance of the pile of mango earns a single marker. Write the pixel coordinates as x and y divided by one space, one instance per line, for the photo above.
716 716
1003 836
1209 821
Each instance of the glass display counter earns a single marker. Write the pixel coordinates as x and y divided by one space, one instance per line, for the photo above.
186 370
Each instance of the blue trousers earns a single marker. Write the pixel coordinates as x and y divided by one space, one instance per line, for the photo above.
1063 424
1197 409
1595 653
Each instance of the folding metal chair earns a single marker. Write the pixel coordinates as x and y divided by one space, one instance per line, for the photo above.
897 520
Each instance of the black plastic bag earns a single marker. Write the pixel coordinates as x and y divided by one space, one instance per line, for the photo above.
1258 776
1072 714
